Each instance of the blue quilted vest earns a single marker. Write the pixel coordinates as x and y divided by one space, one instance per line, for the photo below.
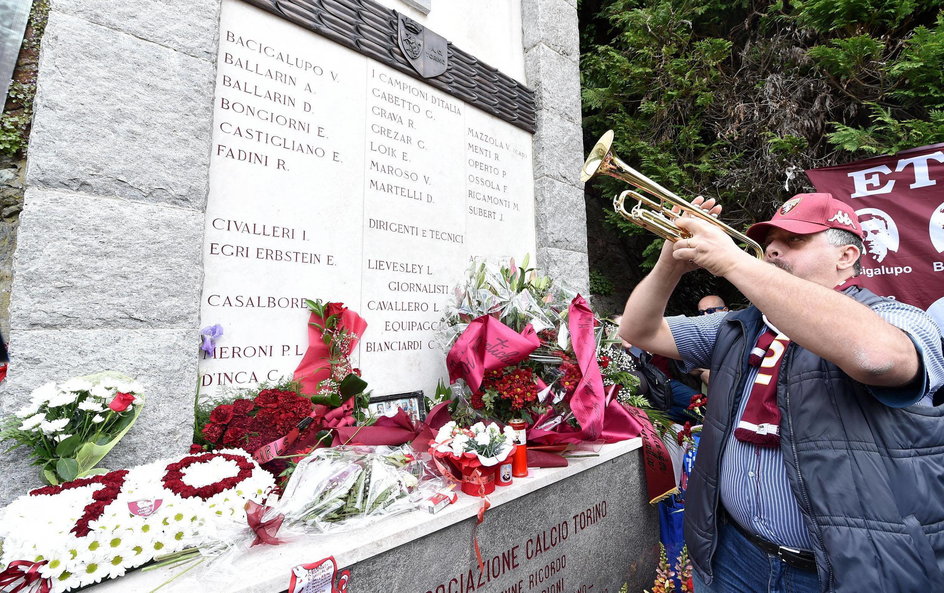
869 479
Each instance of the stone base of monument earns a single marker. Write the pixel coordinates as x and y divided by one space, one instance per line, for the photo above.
585 528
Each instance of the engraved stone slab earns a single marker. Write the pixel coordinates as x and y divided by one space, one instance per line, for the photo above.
335 177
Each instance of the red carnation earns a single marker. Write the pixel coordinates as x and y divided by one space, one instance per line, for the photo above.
477 402
686 432
287 397
240 422
121 402
213 432
222 414
242 407
265 417
234 436
267 398
698 400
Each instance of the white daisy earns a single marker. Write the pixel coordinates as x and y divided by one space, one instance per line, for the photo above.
33 422
77 384
129 387
90 405
102 392
29 410
63 398
44 392
98 418
53 426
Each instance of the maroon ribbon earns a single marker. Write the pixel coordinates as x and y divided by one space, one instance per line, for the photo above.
478 480
660 477
29 573
265 529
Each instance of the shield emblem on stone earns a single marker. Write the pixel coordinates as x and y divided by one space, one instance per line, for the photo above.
424 50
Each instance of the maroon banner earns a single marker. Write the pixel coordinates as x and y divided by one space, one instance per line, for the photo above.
900 203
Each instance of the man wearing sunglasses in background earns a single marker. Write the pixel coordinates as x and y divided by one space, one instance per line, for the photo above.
821 455
711 304
706 306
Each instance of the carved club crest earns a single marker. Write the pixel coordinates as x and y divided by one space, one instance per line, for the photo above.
426 51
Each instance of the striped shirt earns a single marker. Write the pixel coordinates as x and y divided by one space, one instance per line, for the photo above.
753 480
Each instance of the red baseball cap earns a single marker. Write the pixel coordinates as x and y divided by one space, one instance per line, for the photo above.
805 214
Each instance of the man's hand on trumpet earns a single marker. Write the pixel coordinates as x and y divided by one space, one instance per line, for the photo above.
690 254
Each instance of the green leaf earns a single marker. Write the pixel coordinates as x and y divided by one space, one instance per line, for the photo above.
352 385
333 400
67 469
68 446
49 476
89 454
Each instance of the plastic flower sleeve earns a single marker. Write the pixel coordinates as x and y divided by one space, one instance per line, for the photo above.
349 487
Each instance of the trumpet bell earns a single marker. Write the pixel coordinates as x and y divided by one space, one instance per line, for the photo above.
598 155
657 208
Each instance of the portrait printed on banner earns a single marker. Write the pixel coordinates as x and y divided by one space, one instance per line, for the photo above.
881 232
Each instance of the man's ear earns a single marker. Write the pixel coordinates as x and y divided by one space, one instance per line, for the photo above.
849 255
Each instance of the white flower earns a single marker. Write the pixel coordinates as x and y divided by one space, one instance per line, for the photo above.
90 405
77 384
109 382
98 418
53 426
458 444
483 438
477 427
129 387
29 410
44 392
445 433
33 422
102 392
63 398
62 437
116 566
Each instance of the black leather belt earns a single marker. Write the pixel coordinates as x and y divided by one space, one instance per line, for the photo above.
802 559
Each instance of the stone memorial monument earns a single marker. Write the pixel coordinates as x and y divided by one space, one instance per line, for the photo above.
205 162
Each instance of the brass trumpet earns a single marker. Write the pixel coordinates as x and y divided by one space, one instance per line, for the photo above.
654 214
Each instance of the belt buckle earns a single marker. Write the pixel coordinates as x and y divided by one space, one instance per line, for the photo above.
794 557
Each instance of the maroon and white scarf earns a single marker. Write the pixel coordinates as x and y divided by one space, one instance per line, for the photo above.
760 422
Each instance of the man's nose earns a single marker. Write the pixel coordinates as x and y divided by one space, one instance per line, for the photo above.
772 249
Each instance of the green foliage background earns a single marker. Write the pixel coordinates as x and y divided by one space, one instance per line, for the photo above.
736 99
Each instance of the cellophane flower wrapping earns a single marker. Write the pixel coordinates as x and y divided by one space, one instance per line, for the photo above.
348 487
539 386
69 427
100 527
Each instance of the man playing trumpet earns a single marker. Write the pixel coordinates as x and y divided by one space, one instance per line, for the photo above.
821 462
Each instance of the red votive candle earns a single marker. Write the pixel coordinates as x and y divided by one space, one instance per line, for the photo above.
519 464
